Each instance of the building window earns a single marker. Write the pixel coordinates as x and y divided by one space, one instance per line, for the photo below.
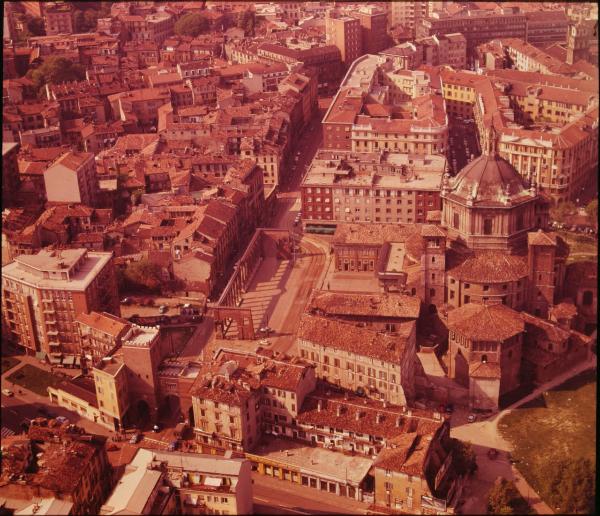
456 220
484 359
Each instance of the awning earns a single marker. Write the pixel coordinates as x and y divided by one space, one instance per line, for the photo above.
213 481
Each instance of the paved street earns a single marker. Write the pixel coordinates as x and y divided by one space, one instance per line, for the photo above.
274 496
484 435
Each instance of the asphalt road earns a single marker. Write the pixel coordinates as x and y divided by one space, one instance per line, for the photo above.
274 496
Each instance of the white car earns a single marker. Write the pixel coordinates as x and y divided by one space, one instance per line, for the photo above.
472 418
8 392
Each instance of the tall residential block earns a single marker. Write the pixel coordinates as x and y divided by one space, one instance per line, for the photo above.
43 294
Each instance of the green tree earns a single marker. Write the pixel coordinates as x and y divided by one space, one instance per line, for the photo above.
561 211
143 275
55 70
464 458
504 498
191 25
592 212
572 487
247 22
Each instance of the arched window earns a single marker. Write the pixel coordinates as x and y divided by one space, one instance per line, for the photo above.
484 359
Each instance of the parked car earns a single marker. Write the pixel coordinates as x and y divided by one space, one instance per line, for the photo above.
126 301
163 308
156 428
472 418
8 392
135 438
62 419
173 445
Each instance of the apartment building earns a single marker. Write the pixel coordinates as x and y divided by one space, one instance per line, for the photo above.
360 359
344 186
58 18
363 116
241 395
44 294
345 33
100 333
159 482
408 14
404 472
477 26
373 22
55 463
72 179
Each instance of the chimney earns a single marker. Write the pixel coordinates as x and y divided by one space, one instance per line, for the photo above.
338 411
319 406
409 413
378 418
399 421
357 415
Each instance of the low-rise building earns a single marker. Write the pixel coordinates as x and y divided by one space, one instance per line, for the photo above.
240 395
158 482
100 333
379 365
72 179
57 462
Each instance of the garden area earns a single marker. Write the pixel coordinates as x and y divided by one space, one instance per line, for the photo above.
554 439
8 363
34 379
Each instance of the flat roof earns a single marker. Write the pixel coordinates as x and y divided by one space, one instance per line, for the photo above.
395 258
79 280
316 461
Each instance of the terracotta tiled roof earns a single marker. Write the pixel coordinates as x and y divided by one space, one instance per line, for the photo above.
104 322
486 267
374 305
348 337
485 322
484 370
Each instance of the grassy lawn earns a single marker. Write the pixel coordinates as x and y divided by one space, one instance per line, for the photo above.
34 379
8 363
559 424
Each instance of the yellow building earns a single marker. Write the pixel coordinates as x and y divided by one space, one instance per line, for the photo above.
110 378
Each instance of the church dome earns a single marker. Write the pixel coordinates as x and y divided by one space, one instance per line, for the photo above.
488 180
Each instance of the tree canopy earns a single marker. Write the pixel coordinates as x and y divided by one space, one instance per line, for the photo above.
191 25
504 498
572 488
247 22
465 461
142 275
561 211
54 70
592 212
